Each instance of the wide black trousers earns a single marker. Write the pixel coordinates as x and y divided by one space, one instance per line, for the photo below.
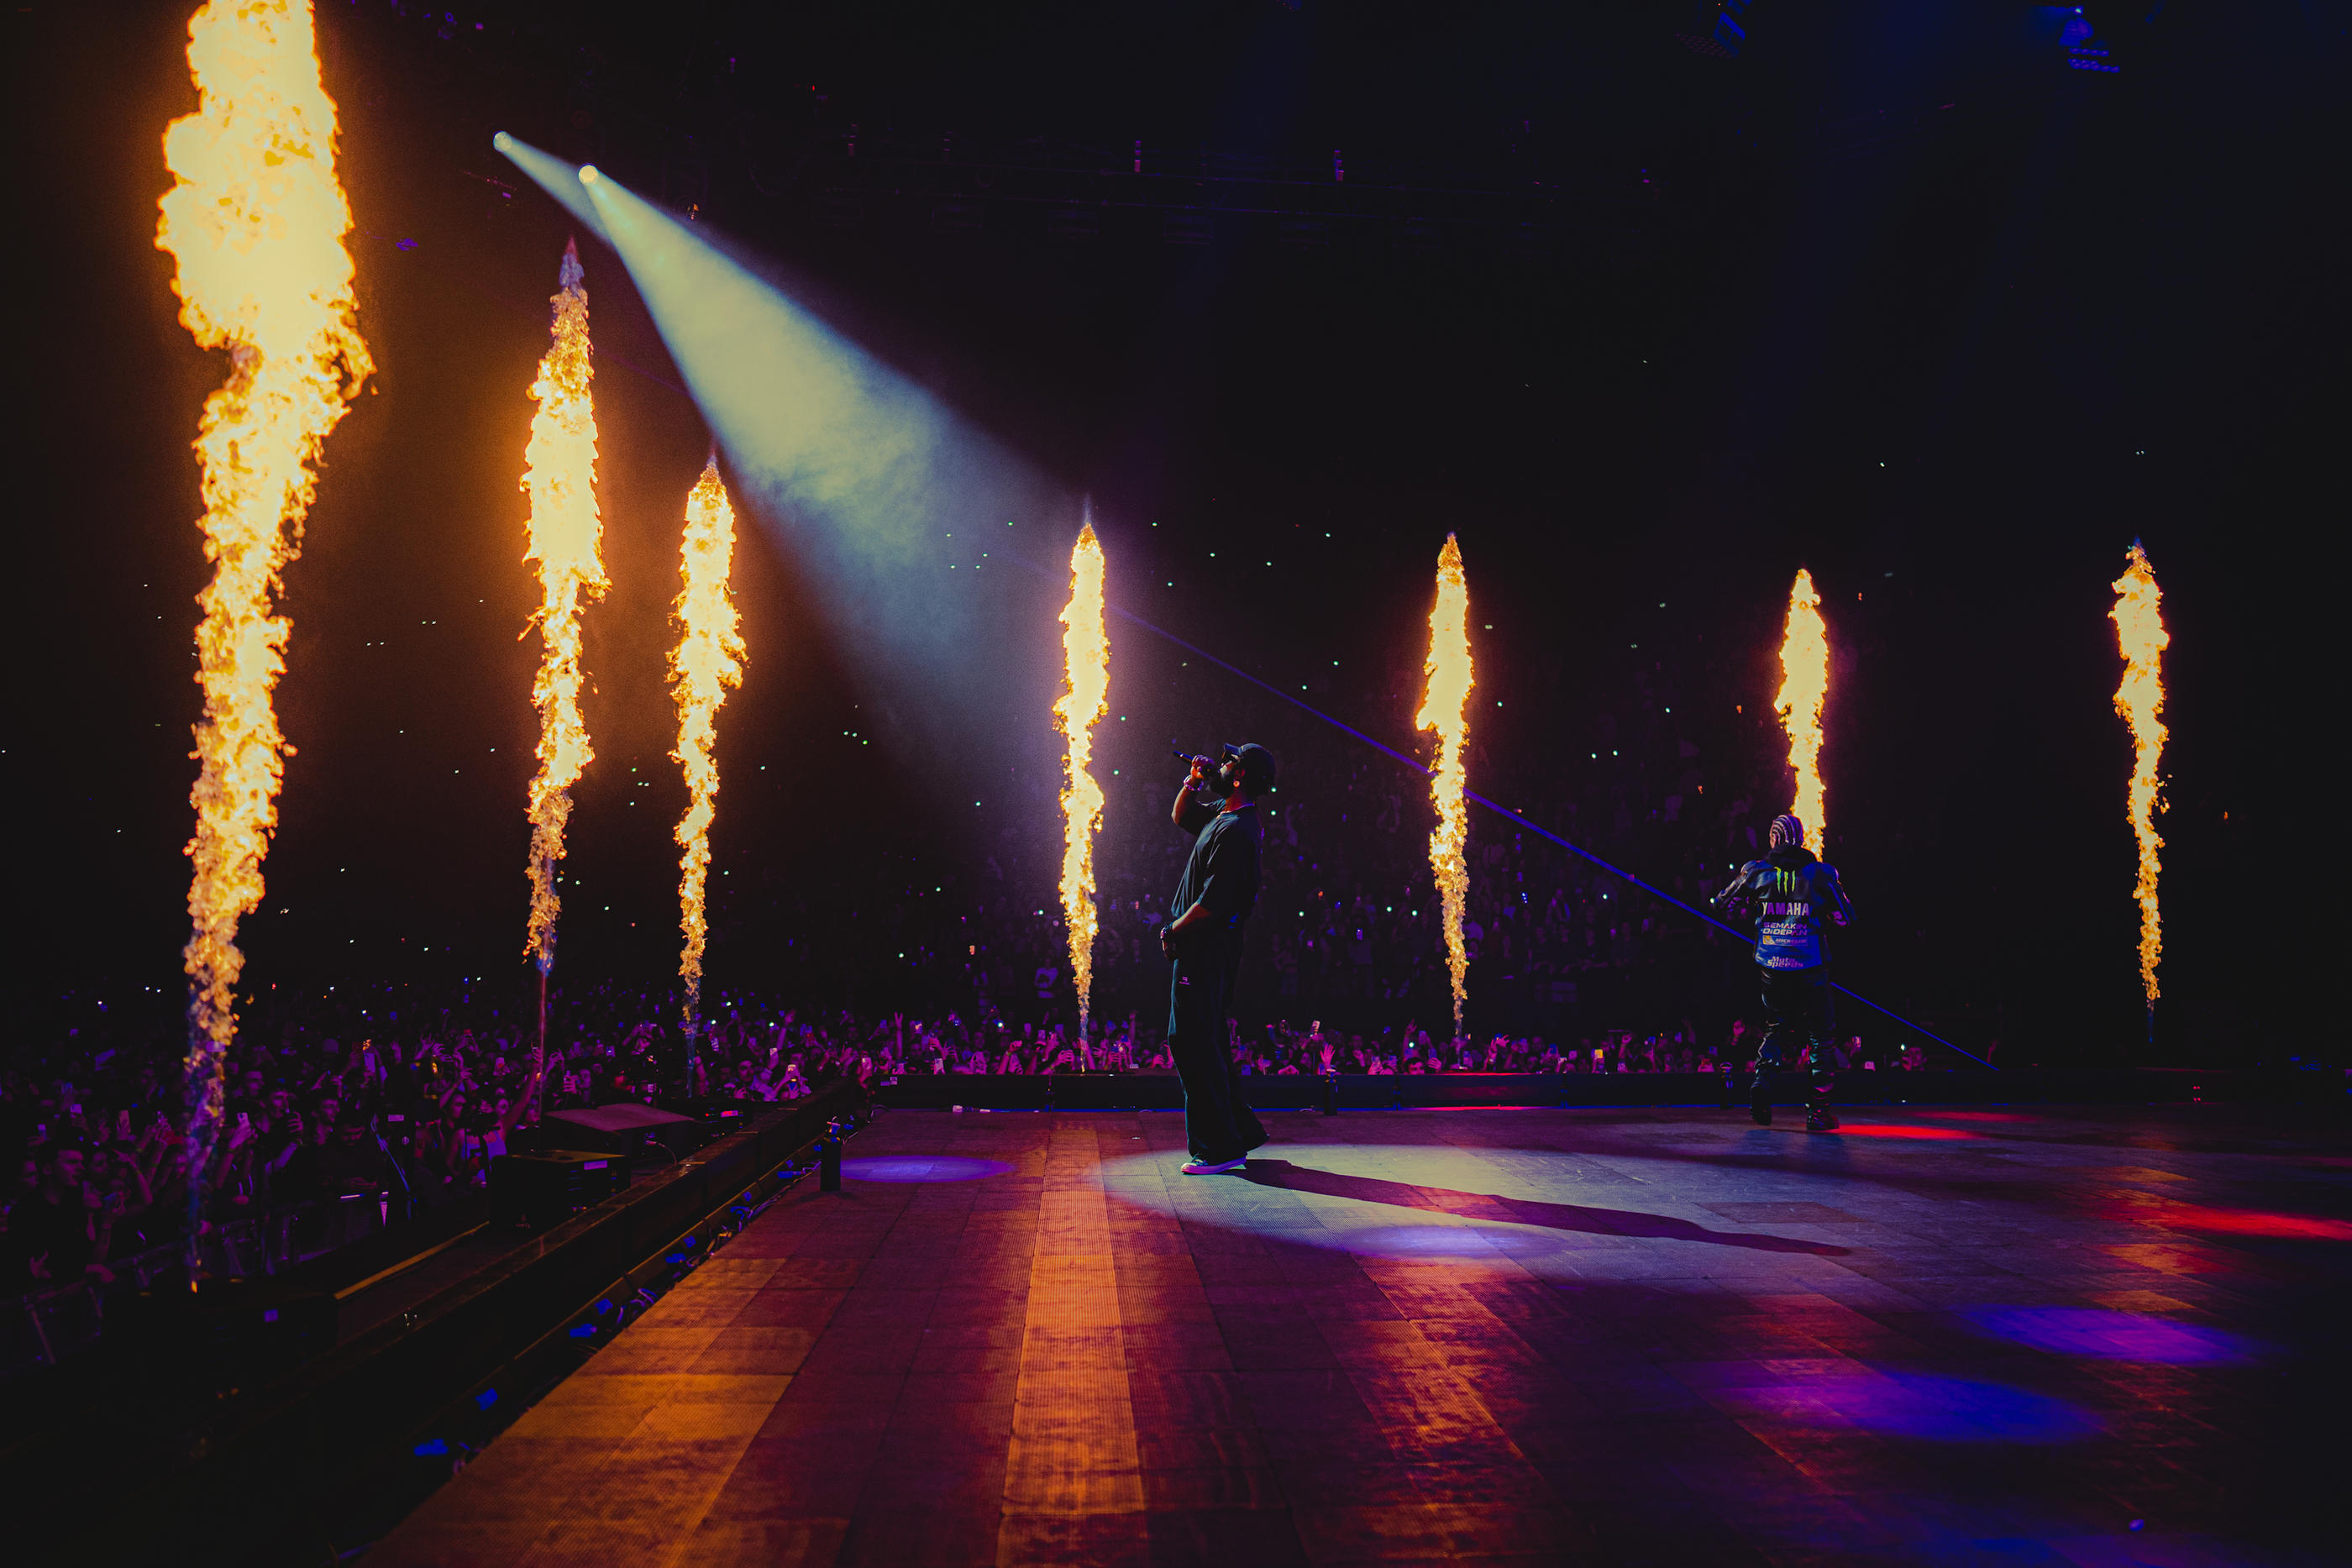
1800 1011
1218 1126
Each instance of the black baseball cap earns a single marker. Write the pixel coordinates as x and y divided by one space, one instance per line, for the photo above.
1259 764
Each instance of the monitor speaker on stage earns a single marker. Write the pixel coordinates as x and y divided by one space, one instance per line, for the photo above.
626 1127
550 1185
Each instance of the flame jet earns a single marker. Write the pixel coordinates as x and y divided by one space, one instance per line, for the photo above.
1444 708
255 221
1085 697
707 660
560 474
1804 691
2141 636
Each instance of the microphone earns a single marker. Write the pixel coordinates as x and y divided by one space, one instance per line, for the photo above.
1190 759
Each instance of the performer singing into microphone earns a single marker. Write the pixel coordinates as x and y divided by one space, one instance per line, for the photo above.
1218 804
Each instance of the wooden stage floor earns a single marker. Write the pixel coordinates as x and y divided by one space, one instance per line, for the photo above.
1955 1337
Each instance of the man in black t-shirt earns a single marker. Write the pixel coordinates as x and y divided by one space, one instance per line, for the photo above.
1204 937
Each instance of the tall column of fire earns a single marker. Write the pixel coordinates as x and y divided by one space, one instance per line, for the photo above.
1445 707
1085 697
707 660
2140 635
1804 691
255 222
560 474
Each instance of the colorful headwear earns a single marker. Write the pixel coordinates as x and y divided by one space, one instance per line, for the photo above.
1787 831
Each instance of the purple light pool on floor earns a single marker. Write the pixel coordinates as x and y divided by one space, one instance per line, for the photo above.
922 1167
2116 1336
1439 1243
1937 1409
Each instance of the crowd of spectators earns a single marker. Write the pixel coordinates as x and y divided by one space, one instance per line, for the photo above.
405 1112
396 1094
409 1115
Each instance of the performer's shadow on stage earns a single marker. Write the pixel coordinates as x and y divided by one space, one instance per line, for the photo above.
1519 1210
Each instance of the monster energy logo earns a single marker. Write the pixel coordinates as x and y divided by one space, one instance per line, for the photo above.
1794 900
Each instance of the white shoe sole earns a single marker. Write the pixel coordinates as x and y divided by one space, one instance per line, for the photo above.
1194 1167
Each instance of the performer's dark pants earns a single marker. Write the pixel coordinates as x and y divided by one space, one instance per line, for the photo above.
1218 1127
1800 1009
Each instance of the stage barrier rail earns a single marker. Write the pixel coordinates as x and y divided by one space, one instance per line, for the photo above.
182 1474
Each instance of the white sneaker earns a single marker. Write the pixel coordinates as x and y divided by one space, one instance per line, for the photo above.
1199 1168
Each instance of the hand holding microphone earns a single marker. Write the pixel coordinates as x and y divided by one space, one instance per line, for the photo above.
1201 767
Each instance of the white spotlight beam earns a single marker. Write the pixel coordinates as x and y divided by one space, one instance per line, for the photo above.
557 178
882 489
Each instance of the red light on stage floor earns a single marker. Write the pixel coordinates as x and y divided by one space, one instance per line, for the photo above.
2253 1222
1854 1130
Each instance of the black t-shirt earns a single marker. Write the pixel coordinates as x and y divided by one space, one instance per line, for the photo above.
1222 870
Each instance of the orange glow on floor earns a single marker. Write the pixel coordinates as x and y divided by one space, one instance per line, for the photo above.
2166 1259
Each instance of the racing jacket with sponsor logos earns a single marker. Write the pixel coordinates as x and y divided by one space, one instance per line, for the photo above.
1795 898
